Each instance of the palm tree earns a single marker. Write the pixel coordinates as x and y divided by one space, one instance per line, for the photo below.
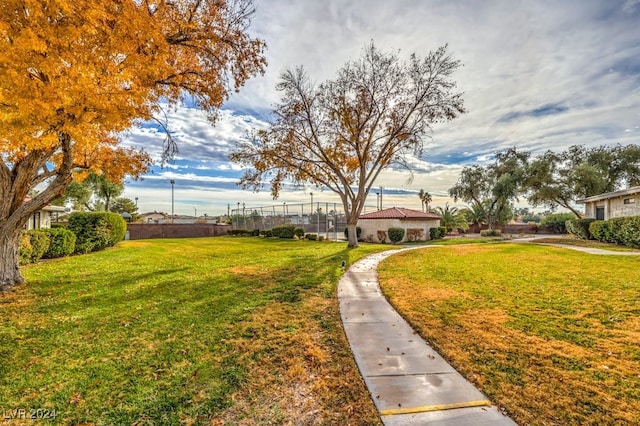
451 218
425 198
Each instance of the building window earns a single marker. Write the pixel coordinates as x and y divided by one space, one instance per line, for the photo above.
629 200
600 213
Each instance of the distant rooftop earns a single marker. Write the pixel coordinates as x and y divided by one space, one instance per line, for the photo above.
399 213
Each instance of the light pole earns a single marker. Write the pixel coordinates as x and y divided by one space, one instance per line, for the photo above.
311 208
377 201
172 182
136 201
195 212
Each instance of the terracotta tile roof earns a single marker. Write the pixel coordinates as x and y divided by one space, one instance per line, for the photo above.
399 213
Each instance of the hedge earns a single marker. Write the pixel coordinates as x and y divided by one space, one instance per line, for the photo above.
599 230
25 250
62 243
283 231
97 230
298 232
437 233
626 230
395 234
579 228
557 222
40 243
490 233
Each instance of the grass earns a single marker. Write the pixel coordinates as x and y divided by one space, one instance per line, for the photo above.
191 331
552 335
573 241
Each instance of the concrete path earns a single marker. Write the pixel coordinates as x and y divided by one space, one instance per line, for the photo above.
409 382
589 250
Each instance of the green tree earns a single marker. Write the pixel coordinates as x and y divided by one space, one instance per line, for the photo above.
126 205
452 218
342 133
425 199
559 179
491 188
95 193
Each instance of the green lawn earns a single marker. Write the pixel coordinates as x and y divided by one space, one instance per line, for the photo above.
189 331
551 334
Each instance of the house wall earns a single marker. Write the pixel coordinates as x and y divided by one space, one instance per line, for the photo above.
40 219
370 227
615 207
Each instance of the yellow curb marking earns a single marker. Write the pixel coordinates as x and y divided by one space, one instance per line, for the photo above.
436 407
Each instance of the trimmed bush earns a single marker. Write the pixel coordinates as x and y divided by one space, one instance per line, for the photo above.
25 250
40 243
358 232
579 228
311 237
556 222
626 230
283 231
268 234
97 230
491 233
395 234
321 238
62 243
241 232
298 232
437 233
255 233
599 230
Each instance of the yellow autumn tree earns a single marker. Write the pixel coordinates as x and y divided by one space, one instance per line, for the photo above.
341 134
76 73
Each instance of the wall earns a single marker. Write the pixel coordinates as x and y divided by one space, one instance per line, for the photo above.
614 207
142 231
370 227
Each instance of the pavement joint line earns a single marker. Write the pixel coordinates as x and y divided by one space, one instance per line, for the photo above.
439 373
435 407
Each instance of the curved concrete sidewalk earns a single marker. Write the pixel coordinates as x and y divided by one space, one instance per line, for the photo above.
409 382
589 250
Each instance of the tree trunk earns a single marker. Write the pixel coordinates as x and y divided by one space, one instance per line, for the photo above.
352 235
9 263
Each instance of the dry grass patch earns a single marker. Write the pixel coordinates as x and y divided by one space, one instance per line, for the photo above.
550 334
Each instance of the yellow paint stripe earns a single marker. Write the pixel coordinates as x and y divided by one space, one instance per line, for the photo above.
436 407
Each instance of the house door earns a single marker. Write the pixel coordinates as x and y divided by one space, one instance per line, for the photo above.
600 213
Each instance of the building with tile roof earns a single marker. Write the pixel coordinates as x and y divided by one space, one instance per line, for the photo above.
416 224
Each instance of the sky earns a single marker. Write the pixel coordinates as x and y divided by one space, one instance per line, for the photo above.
537 75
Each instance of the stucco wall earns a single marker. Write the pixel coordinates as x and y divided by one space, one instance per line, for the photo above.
370 227
615 207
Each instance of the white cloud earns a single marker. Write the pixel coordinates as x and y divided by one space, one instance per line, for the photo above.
577 59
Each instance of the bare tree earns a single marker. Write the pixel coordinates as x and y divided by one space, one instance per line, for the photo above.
342 133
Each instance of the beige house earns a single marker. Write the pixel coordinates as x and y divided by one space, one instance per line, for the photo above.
42 218
416 224
613 204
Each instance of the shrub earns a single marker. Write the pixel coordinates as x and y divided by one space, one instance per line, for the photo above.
382 236
358 232
490 233
599 230
97 230
437 233
321 238
40 243
255 233
395 234
626 230
579 228
311 237
241 232
556 222
63 243
298 232
25 250
283 231
268 234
